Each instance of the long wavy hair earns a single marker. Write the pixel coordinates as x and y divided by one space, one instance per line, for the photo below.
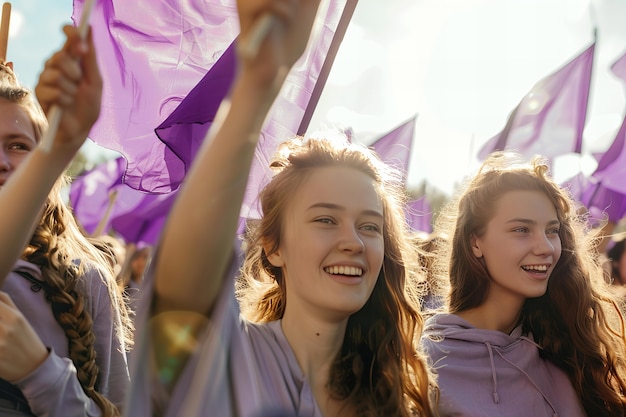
577 321
63 254
379 371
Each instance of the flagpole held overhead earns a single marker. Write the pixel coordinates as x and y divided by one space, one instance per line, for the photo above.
4 31
54 116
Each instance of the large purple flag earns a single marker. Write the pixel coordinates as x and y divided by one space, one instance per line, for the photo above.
151 54
619 67
550 119
135 216
419 215
394 148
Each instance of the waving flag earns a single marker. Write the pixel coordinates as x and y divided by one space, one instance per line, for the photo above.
394 148
600 202
611 170
549 120
151 54
135 216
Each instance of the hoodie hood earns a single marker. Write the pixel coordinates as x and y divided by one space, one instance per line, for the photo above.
494 373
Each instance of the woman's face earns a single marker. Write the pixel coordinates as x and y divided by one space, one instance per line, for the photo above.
332 247
521 246
17 138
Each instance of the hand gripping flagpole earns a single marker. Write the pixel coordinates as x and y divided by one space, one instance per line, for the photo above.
54 116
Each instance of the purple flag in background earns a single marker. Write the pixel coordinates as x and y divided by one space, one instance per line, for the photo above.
619 67
611 170
549 120
135 216
419 215
151 54
394 148
601 202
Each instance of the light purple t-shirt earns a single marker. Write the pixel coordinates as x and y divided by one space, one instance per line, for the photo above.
239 368
487 373
53 390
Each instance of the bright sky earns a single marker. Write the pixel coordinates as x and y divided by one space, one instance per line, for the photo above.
461 65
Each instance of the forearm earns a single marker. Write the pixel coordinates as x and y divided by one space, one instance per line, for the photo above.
197 241
22 198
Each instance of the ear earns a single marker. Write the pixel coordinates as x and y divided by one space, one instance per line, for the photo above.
476 247
275 258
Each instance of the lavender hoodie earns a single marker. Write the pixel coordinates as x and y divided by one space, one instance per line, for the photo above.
53 390
490 373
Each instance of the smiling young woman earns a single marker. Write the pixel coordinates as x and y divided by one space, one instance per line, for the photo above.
531 327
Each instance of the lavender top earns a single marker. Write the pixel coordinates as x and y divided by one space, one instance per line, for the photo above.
238 368
53 388
489 373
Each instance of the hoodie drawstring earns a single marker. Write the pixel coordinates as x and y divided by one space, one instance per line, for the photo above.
494 378
496 397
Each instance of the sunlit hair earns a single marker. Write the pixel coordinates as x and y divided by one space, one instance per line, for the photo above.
12 90
577 321
379 372
64 255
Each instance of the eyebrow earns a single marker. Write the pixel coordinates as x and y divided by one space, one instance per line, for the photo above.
331 206
529 221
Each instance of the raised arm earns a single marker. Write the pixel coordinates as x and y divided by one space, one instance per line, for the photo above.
196 245
71 80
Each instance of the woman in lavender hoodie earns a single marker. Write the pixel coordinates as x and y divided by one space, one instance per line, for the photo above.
532 329
62 345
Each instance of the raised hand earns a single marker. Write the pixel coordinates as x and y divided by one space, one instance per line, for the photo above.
71 80
289 31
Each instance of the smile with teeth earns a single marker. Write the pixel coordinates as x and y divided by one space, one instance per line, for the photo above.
344 270
535 268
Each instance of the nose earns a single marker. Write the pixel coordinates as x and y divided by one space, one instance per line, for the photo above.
544 245
350 240
5 164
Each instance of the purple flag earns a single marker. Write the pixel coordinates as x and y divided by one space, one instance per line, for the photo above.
611 170
151 54
135 216
619 68
601 202
549 120
185 129
419 215
394 148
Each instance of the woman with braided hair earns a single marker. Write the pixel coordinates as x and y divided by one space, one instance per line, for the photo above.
63 324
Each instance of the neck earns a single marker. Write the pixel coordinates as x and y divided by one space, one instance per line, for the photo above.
493 316
315 344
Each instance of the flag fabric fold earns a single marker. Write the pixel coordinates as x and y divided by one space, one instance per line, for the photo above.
135 216
611 170
550 119
151 54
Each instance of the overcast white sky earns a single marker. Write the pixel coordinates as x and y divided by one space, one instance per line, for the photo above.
461 65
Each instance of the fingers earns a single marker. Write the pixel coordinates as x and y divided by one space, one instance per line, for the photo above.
63 72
